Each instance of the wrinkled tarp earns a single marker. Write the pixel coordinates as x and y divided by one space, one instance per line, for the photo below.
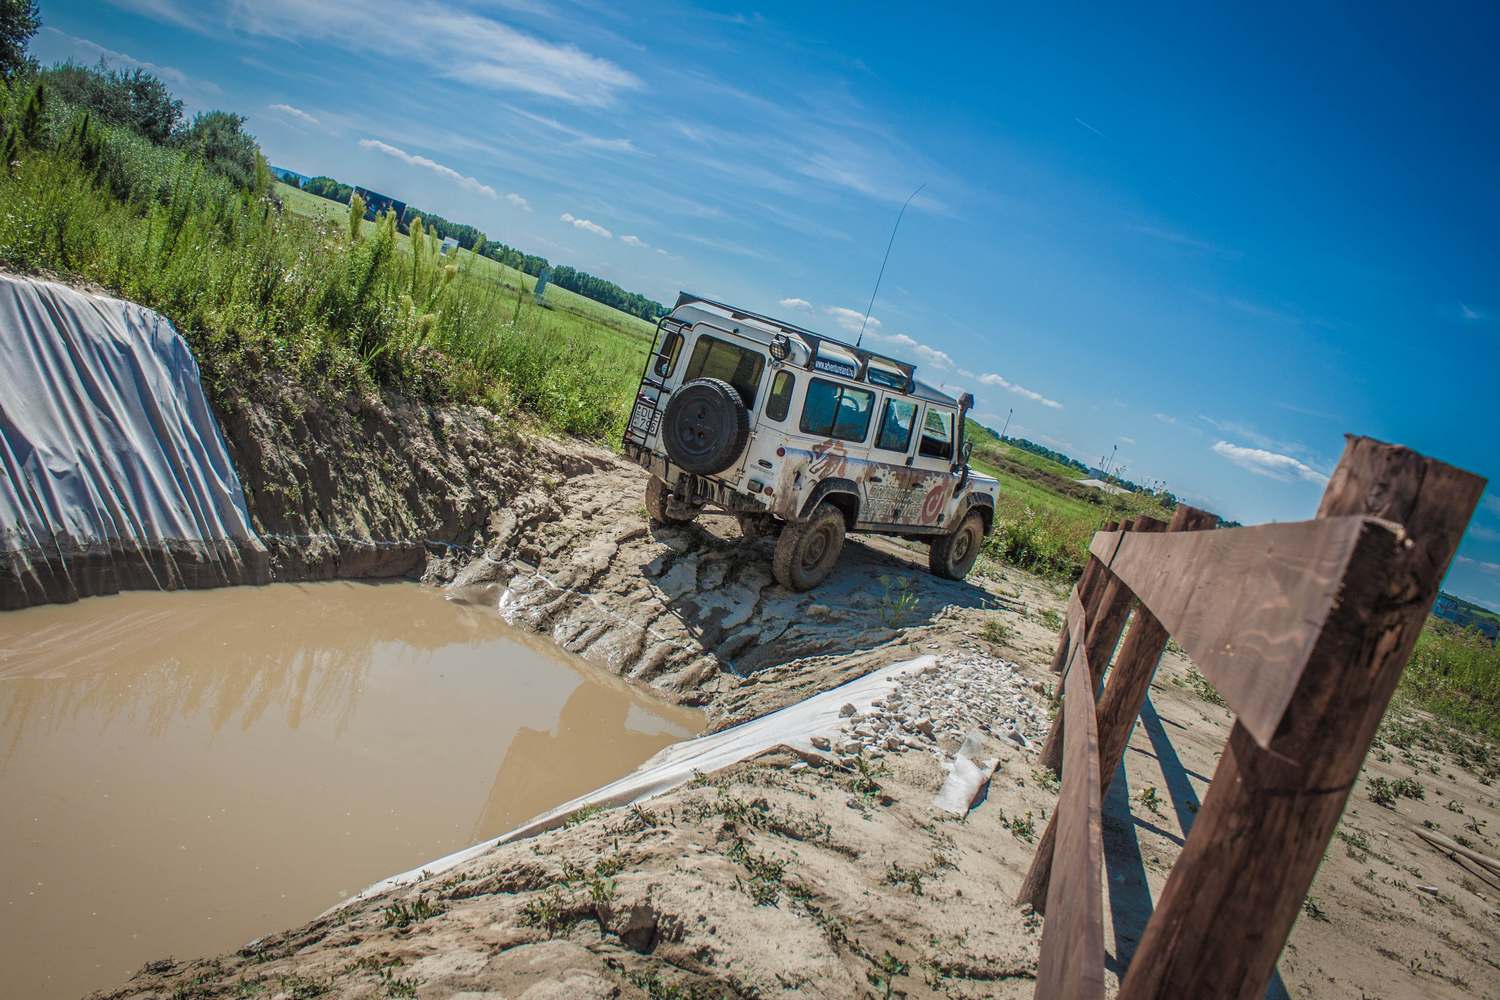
792 727
113 471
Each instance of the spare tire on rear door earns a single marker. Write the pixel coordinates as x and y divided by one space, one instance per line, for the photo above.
706 426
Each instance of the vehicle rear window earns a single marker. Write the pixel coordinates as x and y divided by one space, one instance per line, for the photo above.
937 435
780 399
837 411
896 423
739 366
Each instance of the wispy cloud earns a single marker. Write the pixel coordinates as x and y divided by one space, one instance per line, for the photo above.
86 51
1235 428
852 319
1164 418
917 349
296 114
1270 464
1484 534
635 241
1492 502
990 378
1126 440
1177 239
452 41
801 305
1307 411
581 138
462 180
518 201
586 225
1469 313
1492 568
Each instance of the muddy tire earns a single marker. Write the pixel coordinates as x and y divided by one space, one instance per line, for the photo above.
806 552
663 508
951 556
755 526
705 426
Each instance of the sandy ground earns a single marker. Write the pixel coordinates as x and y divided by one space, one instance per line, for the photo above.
840 878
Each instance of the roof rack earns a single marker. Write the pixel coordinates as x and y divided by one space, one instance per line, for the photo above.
809 337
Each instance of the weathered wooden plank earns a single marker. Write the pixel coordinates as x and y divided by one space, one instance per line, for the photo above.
1124 694
1084 589
1071 964
1239 883
1248 604
1106 619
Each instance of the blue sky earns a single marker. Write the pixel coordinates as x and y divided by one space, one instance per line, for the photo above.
1217 240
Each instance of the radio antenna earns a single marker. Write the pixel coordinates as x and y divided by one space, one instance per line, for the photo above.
883 260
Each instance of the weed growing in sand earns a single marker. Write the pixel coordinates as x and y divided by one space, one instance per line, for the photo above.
658 989
883 976
1046 779
397 987
296 987
1201 686
1022 827
1050 618
1312 909
582 816
1148 798
548 912
898 601
1385 793
901 875
1454 806
400 914
765 873
997 632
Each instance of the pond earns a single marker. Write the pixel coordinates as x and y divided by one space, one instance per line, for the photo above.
184 772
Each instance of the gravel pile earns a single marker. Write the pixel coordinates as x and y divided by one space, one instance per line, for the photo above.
935 708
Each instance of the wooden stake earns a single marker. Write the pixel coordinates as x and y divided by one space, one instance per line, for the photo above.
1086 586
1238 885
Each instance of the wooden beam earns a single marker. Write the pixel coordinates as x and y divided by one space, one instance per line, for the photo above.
1249 604
1085 589
1071 964
1124 694
1238 885
1106 620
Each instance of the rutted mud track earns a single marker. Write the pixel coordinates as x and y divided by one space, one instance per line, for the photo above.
554 534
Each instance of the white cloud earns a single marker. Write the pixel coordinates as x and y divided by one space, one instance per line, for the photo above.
799 304
586 225
911 346
1469 313
635 241
990 378
518 201
462 180
1492 501
852 319
451 41
1484 534
296 114
85 51
1284 468
1164 418
1491 568
1126 440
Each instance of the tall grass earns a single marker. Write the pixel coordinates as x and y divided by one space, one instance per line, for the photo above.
255 288
1455 674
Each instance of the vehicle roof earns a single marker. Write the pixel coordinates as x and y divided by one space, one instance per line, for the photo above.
692 308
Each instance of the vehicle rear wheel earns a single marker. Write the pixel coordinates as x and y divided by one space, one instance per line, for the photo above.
755 526
806 552
951 556
663 508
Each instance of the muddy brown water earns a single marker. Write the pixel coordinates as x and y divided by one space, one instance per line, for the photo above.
180 773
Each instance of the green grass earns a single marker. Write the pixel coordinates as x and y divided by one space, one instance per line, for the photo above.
1455 674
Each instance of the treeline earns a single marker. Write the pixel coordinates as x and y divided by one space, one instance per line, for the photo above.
585 284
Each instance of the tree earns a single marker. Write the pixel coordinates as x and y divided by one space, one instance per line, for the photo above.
19 20
220 138
137 99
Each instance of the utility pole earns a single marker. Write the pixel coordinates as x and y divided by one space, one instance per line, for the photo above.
1007 423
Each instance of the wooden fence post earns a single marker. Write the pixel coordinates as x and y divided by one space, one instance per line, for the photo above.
1087 582
1106 621
1127 685
1238 885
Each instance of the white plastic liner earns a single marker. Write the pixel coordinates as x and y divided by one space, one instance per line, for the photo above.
793 727
113 470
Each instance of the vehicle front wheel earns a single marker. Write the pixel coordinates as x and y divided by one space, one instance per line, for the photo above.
663 508
951 556
806 552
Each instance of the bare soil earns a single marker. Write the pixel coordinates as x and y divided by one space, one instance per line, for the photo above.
776 877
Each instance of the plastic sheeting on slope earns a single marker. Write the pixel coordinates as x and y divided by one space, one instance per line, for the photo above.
113 472
793 727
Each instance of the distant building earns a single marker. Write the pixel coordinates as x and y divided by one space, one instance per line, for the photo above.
1100 484
375 203
449 244
291 177
1465 615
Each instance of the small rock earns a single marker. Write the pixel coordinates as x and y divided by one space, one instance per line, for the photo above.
1431 890
847 711
822 743
1018 738
925 727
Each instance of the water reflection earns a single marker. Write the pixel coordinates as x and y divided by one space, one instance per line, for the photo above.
182 772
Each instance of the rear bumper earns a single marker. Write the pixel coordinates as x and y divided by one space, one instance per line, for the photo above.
707 490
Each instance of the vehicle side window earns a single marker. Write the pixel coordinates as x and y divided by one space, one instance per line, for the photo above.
837 411
896 424
739 366
666 357
780 399
937 435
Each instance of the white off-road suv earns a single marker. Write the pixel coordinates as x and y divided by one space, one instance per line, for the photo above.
805 437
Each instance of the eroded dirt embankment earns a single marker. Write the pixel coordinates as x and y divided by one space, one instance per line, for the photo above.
553 533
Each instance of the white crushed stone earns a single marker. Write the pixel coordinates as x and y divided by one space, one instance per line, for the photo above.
948 699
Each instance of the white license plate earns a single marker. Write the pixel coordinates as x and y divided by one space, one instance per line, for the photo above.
643 418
